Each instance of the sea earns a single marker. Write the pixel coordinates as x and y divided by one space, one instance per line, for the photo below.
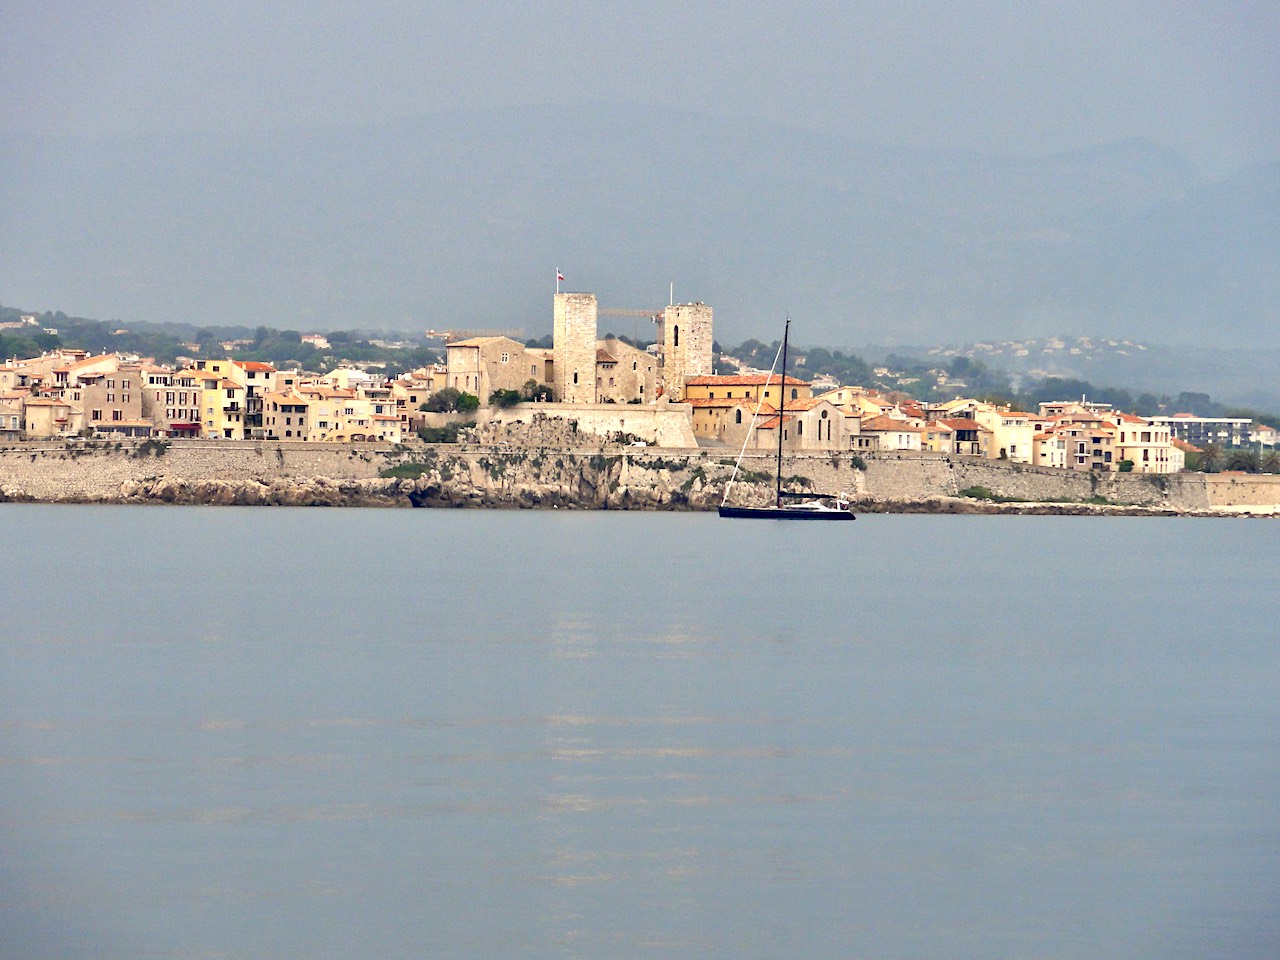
391 733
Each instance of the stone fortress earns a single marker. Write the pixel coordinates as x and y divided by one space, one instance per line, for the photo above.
606 387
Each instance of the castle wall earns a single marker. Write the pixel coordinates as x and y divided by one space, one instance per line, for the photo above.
686 346
660 424
570 462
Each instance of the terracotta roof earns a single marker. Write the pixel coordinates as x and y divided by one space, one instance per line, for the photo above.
875 424
960 423
701 402
254 365
802 405
742 380
90 360
603 356
1130 418
475 341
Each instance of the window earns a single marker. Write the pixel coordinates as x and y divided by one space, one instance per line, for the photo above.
117 415
799 428
737 417
675 336
96 415
506 358
575 377
794 393
634 365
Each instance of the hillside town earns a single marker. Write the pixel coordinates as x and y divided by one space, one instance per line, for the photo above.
665 394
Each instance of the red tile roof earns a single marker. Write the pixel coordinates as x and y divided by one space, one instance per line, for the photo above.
883 423
742 380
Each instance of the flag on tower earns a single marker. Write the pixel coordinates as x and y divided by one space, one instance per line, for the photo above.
559 276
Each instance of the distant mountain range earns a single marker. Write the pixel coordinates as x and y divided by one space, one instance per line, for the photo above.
460 220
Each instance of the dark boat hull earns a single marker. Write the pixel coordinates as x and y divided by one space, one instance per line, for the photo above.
785 513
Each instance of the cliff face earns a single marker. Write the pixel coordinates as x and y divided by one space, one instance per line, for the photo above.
609 477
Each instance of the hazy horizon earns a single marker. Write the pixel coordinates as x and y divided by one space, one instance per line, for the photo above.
398 165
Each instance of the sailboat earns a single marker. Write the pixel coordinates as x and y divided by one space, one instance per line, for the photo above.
786 505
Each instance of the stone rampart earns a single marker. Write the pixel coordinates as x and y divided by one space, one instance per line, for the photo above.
605 475
1242 490
662 424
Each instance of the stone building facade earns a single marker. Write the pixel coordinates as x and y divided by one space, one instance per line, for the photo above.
624 374
481 365
684 330
574 336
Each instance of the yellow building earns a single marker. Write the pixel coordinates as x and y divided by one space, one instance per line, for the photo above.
751 386
1147 444
222 400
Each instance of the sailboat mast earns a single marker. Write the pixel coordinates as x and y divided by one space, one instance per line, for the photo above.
782 405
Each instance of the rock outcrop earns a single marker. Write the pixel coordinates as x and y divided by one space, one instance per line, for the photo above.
606 476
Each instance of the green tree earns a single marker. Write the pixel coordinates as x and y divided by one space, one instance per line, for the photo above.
505 398
1211 458
443 401
1242 458
1125 466
535 391
468 402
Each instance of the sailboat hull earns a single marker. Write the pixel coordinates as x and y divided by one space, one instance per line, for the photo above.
786 513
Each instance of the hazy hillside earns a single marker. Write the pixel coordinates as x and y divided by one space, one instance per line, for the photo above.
460 220
1244 377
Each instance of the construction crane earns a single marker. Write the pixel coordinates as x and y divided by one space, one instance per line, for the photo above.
620 312
623 312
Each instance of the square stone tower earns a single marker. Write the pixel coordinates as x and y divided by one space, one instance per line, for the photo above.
685 330
573 333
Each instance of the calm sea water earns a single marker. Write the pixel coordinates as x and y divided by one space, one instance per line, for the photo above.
271 733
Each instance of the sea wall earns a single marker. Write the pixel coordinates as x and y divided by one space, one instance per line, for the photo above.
528 425
597 475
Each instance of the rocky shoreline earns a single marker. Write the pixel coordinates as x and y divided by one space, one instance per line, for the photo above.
384 493
602 477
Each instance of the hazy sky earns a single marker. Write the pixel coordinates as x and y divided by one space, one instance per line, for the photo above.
1018 78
